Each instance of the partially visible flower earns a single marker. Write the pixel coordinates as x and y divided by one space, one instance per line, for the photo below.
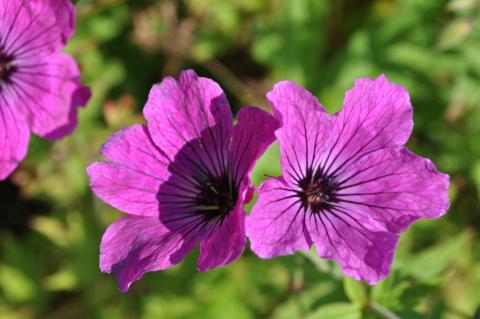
183 179
350 187
39 86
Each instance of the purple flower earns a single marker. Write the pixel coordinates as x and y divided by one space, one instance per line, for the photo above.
183 179
39 85
349 186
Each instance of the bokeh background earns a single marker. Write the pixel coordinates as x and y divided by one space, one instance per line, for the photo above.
51 224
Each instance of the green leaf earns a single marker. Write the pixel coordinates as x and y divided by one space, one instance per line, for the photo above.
381 291
461 5
52 229
454 34
431 262
355 290
339 310
15 284
62 280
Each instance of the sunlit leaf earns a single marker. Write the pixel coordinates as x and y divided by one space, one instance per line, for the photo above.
454 34
337 311
432 261
355 290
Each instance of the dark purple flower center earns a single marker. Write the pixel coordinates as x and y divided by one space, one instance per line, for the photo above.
217 197
6 67
319 192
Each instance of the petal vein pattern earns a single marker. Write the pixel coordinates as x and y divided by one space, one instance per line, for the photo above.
39 85
350 187
183 179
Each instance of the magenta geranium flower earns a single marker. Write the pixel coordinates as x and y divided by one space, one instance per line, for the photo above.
183 179
350 187
39 86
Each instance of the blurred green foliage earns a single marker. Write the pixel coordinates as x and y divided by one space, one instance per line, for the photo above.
51 224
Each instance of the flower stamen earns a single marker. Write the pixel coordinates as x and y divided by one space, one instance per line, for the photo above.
320 193
6 66
217 198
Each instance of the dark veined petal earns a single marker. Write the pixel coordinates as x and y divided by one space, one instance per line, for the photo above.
395 187
134 245
363 251
49 93
31 29
190 109
14 137
224 243
304 128
130 178
276 225
251 136
376 114
40 85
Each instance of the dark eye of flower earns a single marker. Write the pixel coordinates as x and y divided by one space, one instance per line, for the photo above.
319 192
217 197
6 66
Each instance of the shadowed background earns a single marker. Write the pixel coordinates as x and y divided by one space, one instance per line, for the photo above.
51 224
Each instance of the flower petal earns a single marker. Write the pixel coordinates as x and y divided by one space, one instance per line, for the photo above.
130 180
35 28
252 135
134 245
14 137
192 109
276 225
362 251
224 243
395 187
50 93
305 126
376 114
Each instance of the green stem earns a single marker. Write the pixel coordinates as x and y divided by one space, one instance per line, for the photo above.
382 311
